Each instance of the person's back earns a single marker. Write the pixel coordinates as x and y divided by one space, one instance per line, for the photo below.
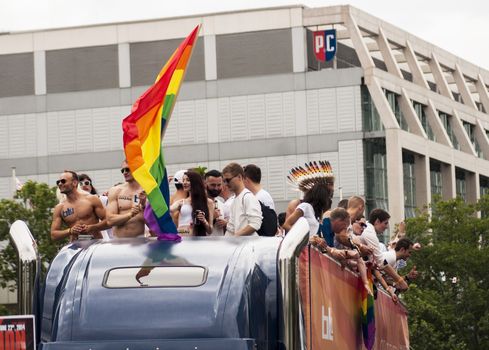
252 181
265 197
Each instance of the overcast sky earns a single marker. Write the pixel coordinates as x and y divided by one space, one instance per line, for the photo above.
460 27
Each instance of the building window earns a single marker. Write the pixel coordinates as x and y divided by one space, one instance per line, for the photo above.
447 124
469 129
460 184
409 185
371 118
420 112
435 179
484 185
484 189
393 100
375 174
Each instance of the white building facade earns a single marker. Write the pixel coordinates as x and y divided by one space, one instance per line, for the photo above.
398 118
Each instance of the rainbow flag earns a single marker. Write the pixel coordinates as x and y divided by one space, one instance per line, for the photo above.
367 314
143 131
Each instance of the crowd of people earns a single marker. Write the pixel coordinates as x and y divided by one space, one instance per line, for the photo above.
232 202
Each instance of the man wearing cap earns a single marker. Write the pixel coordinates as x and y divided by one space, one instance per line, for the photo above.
180 192
126 206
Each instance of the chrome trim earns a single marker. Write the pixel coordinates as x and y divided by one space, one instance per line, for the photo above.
291 313
27 265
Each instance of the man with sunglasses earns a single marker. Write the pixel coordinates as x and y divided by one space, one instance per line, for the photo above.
126 206
245 216
83 213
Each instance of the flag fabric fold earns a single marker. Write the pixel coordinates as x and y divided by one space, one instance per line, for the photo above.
143 131
367 314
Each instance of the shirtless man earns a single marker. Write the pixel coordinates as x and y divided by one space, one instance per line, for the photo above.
84 214
126 206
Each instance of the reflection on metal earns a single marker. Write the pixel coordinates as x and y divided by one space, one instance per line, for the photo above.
288 258
27 266
155 276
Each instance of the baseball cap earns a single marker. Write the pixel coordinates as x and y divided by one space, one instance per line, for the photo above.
178 178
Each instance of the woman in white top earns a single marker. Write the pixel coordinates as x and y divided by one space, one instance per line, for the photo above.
316 201
194 213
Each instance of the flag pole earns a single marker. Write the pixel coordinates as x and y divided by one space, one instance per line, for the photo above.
14 182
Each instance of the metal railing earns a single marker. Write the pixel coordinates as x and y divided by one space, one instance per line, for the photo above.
288 259
27 265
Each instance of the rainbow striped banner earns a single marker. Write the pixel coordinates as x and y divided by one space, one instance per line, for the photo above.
143 131
367 314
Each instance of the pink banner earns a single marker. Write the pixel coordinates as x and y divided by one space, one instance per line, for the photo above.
330 299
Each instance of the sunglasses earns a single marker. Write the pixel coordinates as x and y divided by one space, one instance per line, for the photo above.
362 224
62 181
86 182
125 170
228 180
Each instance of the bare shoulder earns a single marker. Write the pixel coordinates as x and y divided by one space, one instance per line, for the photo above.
114 191
58 208
94 199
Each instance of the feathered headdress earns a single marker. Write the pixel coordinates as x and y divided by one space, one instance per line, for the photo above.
304 178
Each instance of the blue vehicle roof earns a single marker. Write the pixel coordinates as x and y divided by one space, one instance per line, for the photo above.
237 299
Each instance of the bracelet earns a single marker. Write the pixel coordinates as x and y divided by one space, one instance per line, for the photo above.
69 231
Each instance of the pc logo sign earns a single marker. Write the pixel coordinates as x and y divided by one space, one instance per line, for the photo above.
325 44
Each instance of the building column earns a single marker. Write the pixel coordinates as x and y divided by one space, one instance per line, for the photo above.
422 174
210 57
124 65
473 188
448 181
40 73
395 177
299 53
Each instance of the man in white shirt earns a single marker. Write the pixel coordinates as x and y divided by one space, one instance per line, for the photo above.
378 223
252 179
245 217
402 251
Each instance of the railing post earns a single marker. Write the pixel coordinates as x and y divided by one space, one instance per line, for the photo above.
27 265
288 257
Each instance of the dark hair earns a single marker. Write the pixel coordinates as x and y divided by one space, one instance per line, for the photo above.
74 176
281 218
378 214
213 173
252 172
405 243
319 196
234 169
179 186
198 200
82 177
343 203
